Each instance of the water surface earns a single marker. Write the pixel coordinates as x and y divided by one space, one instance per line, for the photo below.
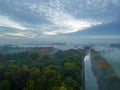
90 79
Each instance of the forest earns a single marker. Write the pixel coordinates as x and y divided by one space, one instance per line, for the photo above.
29 70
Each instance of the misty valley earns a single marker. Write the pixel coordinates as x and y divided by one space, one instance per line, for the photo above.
49 68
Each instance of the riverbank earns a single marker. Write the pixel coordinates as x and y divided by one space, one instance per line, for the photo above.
106 76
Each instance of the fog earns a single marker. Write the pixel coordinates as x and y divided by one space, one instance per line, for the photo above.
112 55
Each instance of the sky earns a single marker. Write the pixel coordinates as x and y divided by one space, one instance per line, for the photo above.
35 19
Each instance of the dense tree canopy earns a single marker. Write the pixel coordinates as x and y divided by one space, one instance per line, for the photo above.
33 71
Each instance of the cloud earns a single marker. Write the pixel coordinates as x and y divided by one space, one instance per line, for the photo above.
12 34
70 26
50 33
16 34
5 21
38 18
62 21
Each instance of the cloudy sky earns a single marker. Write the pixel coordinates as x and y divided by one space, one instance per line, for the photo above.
56 18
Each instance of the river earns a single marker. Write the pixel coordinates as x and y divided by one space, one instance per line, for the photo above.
90 79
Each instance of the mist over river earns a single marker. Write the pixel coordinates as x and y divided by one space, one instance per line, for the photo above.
112 56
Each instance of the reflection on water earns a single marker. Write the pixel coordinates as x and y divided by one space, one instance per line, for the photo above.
90 79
